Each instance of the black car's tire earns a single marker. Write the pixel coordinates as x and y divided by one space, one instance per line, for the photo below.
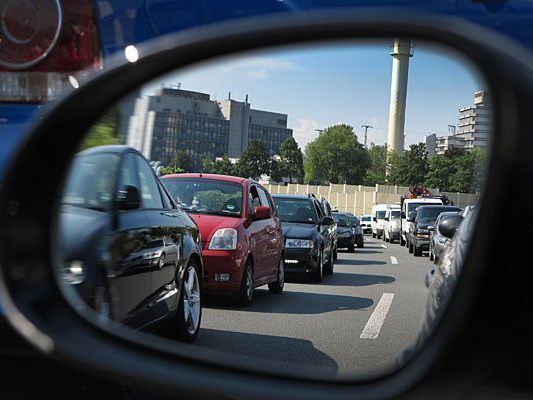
277 286
328 267
417 251
373 235
318 274
360 245
244 296
351 248
410 246
189 313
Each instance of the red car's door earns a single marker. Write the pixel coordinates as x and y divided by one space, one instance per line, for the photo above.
275 235
259 238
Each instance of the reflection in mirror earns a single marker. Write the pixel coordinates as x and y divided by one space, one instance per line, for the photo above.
309 267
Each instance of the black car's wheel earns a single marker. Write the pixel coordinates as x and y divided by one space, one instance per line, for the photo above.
351 248
277 286
189 312
328 267
417 251
373 235
318 274
245 294
361 245
410 246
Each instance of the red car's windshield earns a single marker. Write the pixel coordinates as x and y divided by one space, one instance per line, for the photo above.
206 196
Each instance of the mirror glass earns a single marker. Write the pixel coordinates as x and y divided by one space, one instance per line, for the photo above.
156 225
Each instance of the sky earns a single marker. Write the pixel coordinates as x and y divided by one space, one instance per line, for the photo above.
325 84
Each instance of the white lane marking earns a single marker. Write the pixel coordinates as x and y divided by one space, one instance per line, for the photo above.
393 260
383 246
374 324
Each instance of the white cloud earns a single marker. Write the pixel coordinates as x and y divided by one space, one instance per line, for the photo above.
305 131
259 67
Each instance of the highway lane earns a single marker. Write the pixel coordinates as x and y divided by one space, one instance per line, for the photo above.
354 323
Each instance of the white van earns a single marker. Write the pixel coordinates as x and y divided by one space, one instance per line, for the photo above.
392 225
410 205
378 219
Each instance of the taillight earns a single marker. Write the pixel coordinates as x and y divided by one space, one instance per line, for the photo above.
44 44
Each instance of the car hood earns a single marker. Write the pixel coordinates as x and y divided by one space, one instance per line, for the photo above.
209 224
76 227
298 231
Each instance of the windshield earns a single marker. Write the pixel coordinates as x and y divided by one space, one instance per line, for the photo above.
353 220
206 196
341 219
430 214
91 181
413 206
380 214
366 218
396 214
295 210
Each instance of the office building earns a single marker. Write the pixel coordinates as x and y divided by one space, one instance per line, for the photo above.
174 119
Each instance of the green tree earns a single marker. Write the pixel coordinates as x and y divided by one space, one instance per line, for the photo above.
104 132
441 169
292 160
253 161
336 156
221 166
410 167
277 170
171 170
182 161
378 165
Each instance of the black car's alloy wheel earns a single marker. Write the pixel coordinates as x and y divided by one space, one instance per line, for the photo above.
318 274
189 313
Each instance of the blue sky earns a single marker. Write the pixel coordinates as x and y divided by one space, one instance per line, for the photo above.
321 85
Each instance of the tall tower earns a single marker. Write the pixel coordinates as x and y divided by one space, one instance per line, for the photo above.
401 52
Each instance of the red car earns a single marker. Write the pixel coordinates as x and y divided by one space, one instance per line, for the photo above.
242 240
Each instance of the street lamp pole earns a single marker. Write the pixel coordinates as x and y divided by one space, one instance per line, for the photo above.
366 132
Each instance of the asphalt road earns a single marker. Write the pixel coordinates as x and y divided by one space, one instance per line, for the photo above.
354 323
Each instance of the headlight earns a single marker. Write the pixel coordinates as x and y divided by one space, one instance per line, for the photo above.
298 244
74 272
224 239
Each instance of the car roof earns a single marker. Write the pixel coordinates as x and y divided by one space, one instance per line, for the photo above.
115 148
218 177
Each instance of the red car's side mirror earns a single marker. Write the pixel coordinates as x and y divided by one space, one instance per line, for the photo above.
262 212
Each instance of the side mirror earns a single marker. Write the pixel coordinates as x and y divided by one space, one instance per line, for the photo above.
386 219
327 221
448 226
374 219
128 198
403 215
262 212
411 217
431 228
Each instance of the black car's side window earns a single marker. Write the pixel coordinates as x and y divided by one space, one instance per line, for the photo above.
150 194
128 173
167 203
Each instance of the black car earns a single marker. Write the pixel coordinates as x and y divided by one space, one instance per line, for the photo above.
308 245
420 221
347 228
130 254
332 231
439 239
357 230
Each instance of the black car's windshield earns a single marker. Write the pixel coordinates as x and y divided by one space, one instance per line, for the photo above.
206 196
341 219
296 210
91 181
430 214
353 220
